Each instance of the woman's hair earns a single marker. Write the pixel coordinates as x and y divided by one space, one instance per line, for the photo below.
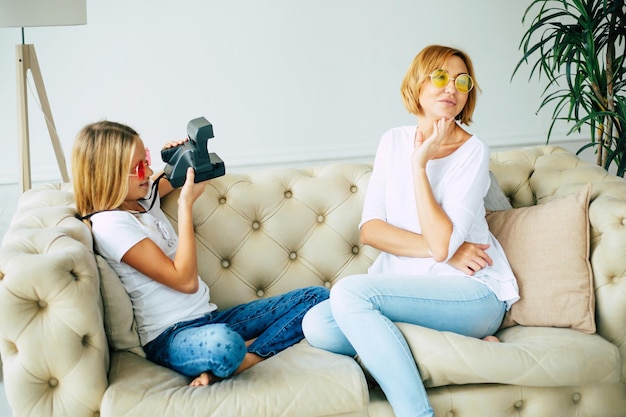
429 59
101 158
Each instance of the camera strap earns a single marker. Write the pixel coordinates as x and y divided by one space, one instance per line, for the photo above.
154 194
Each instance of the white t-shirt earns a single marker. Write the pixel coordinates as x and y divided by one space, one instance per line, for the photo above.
156 306
459 182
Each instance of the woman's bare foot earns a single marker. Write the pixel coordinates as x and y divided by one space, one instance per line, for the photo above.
491 339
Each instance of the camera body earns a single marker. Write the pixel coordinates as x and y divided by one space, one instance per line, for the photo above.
193 153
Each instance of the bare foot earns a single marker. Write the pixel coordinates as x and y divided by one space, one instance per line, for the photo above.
491 339
207 378
203 380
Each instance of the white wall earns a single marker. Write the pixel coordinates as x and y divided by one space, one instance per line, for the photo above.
284 82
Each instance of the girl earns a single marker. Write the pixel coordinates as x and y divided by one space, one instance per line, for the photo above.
423 204
178 326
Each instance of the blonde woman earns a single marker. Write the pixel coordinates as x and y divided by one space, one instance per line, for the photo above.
423 204
178 325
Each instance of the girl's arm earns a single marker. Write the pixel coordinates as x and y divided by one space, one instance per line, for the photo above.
180 274
164 185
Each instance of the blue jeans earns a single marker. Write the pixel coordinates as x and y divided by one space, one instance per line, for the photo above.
215 342
359 319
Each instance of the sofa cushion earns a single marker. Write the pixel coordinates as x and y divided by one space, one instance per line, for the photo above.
300 380
496 200
119 320
527 356
547 246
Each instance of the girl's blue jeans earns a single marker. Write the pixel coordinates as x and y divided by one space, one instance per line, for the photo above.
359 319
215 342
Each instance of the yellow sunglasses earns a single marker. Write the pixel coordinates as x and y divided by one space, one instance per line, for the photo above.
463 82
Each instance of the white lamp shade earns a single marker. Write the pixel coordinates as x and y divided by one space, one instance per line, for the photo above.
27 13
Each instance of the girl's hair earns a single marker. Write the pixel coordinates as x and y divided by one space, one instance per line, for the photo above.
429 59
101 158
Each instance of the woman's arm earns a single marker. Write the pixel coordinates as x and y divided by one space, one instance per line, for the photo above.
435 224
180 274
469 258
391 239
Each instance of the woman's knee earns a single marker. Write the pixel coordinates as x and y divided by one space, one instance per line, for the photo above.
321 331
315 322
348 292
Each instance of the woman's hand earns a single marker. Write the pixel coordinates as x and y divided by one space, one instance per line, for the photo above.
471 258
426 149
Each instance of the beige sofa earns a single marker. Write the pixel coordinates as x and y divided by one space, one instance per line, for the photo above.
70 350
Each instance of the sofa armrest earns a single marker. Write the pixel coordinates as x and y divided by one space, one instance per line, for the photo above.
52 340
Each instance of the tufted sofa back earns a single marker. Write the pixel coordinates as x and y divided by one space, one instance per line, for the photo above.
268 232
258 235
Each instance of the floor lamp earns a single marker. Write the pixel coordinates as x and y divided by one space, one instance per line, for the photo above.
31 13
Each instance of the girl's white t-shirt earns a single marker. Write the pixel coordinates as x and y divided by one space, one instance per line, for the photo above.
155 306
459 182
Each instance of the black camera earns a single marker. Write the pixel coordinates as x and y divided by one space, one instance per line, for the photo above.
193 153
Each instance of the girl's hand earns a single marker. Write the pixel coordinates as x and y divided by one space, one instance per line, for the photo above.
191 190
471 258
426 149
174 143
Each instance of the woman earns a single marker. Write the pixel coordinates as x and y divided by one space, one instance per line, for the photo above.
423 203
178 326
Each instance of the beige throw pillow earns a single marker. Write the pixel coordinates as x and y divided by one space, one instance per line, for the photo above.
547 246
119 320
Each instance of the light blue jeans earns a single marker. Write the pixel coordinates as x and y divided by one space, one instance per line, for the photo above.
359 319
215 342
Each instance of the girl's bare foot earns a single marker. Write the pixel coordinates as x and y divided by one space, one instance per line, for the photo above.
491 339
203 380
207 378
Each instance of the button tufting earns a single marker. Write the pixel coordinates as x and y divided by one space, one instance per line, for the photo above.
42 304
288 194
320 219
222 200
354 189
260 293
450 413
256 225
576 397
225 263
1 276
355 249
518 404
292 256
328 284
53 382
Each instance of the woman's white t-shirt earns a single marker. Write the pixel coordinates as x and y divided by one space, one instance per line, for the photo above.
459 182
155 306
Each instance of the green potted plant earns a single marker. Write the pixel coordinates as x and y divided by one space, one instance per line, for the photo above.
579 45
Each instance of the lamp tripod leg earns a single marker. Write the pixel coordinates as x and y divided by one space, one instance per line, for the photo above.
27 59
